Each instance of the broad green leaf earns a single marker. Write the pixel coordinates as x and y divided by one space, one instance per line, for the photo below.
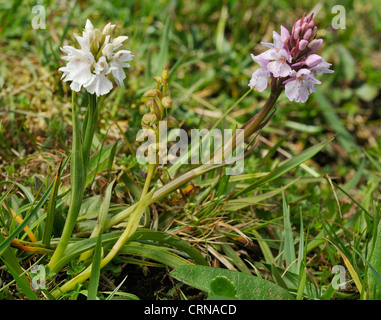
221 286
90 207
172 240
76 248
248 287
102 216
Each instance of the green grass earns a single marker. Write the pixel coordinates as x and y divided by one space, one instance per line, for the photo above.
290 218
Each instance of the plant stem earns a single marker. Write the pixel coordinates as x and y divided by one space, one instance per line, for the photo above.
90 125
77 180
78 172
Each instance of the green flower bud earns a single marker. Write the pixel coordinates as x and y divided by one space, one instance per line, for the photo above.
167 102
149 119
152 93
172 122
158 80
164 74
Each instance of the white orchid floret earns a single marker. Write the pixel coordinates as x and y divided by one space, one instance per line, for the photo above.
94 36
78 69
118 62
89 28
108 29
83 41
108 51
100 85
92 65
97 38
117 42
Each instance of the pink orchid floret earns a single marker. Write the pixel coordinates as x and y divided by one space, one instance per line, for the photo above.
291 60
260 77
300 85
280 67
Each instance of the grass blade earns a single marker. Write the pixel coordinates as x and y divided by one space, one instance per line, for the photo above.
350 268
301 242
344 137
95 270
301 282
103 212
287 166
230 253
375 267
111 295
51 210
33 210
289 249
164 48
9 256
154 252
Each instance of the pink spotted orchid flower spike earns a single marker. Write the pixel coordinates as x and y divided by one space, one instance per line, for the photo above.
291 62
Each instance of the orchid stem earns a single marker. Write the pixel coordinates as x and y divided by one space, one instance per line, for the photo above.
90 125
78 172
78 177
